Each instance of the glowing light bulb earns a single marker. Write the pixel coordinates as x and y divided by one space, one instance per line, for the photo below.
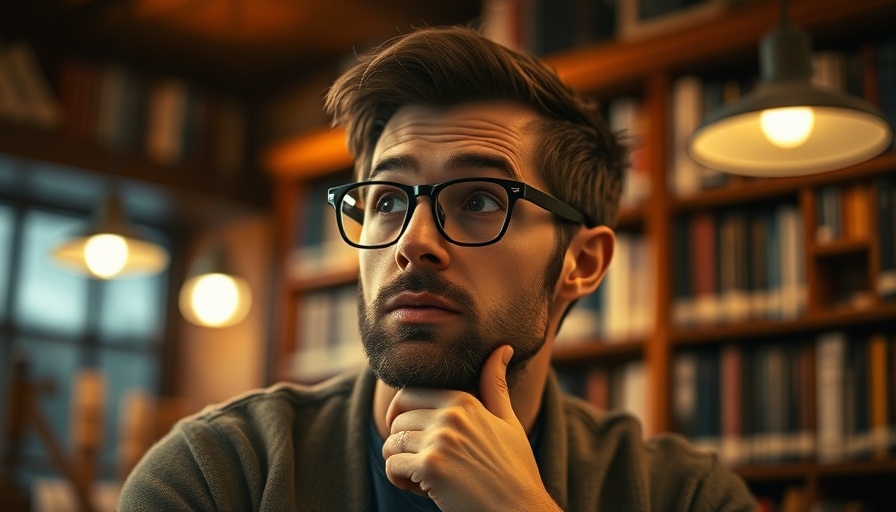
787 127
105 255
215 299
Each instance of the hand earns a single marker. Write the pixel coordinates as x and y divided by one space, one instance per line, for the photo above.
464 454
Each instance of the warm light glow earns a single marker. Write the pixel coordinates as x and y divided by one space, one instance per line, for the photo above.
787 127
216 300
105 255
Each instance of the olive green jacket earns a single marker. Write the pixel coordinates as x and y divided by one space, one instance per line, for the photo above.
290 447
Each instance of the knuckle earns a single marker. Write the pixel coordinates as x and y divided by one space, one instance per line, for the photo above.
447 439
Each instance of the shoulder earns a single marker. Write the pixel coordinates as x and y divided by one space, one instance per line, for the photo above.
279 398
231 452
670 468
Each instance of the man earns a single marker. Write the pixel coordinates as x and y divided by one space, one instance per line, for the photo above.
484 195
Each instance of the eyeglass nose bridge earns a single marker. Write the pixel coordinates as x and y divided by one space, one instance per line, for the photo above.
430 192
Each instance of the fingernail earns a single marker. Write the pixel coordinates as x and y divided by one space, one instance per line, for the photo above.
508 353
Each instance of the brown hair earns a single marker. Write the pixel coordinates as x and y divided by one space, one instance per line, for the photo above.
581 161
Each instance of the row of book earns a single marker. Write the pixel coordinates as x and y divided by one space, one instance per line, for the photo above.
166 118
694 97
545 27
621 387
738 265
623 307
831 398
327 330
317 245
626 116
859 216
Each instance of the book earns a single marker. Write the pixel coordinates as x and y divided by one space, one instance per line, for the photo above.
704 267
682 293
684 393
858 392
733 279
166 123
878 378
831 353
886 232
634 395
758 266
731 365
626 116
687 115
806 400
828 214
793 288
618 287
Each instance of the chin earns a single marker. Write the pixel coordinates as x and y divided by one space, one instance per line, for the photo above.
426 365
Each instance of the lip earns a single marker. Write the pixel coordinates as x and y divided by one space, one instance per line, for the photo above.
419 301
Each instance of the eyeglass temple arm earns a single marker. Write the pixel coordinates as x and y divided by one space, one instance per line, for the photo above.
347 208
355 213
555 206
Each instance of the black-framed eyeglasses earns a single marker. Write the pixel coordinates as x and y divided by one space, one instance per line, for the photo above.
470 212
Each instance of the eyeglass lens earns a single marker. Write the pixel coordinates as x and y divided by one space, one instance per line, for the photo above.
467 212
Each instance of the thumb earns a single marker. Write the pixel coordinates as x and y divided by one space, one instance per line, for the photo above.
493 387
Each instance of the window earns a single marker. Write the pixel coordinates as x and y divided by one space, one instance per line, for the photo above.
61 323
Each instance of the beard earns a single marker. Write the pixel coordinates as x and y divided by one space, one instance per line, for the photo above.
422 355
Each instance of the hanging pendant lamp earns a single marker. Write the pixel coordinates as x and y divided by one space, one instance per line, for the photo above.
213 295
787 127
111 248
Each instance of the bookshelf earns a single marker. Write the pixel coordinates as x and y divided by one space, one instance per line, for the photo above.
163 132
766 332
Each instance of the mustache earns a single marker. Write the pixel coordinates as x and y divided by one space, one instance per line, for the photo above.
425 281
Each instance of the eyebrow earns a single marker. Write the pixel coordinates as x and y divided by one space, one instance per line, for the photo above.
462 160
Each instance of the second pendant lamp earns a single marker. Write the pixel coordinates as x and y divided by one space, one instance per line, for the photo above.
213 295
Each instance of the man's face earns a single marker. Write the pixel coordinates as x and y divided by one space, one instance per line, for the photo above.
431 311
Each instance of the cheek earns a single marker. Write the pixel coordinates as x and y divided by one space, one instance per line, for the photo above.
372 270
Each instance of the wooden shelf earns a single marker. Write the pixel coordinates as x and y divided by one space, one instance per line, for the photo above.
588 352
51 146
736 32
630 217
801 470
775 188
324 279
813 321
839 247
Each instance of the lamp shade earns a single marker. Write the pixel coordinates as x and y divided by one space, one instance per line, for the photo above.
213 295
111 248
787 127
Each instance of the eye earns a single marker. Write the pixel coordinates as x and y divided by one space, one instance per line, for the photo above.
391 202
482 202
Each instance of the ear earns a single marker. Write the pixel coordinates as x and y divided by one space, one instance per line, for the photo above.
587 259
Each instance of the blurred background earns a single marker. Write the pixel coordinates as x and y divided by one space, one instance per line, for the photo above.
168 107
165 242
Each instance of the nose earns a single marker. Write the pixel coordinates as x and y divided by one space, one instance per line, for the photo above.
421 246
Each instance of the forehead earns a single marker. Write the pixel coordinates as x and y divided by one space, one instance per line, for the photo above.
429 139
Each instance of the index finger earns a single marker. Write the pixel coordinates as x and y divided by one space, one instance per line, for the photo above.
410 399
